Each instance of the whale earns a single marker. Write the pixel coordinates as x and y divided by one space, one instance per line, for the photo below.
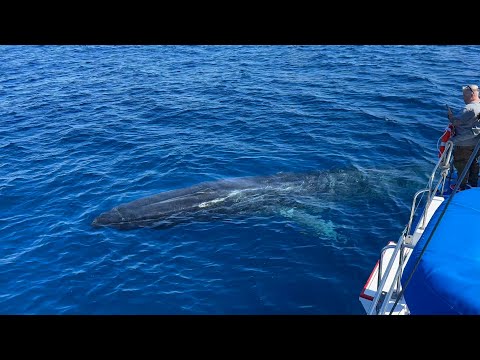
286 193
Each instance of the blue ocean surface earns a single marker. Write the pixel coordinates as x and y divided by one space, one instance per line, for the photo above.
87 128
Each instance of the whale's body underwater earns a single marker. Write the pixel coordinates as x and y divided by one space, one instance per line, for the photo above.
277 194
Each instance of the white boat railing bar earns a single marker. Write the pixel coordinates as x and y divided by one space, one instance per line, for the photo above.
442 168
450 198
382 297
407 241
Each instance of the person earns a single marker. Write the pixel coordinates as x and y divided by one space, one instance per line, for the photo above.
467 129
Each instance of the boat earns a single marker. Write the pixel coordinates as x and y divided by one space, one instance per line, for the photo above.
434 266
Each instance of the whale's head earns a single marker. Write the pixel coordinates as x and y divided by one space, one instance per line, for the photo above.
131 217
112 218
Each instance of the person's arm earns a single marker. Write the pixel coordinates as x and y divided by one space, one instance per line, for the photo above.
464 117
449 113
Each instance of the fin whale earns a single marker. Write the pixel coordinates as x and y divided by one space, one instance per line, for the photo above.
213 200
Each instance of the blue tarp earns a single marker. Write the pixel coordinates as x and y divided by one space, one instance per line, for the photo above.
447 280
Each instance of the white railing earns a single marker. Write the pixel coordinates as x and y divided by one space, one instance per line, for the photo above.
440 172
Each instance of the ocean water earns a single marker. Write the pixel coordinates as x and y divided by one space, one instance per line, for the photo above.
86 128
